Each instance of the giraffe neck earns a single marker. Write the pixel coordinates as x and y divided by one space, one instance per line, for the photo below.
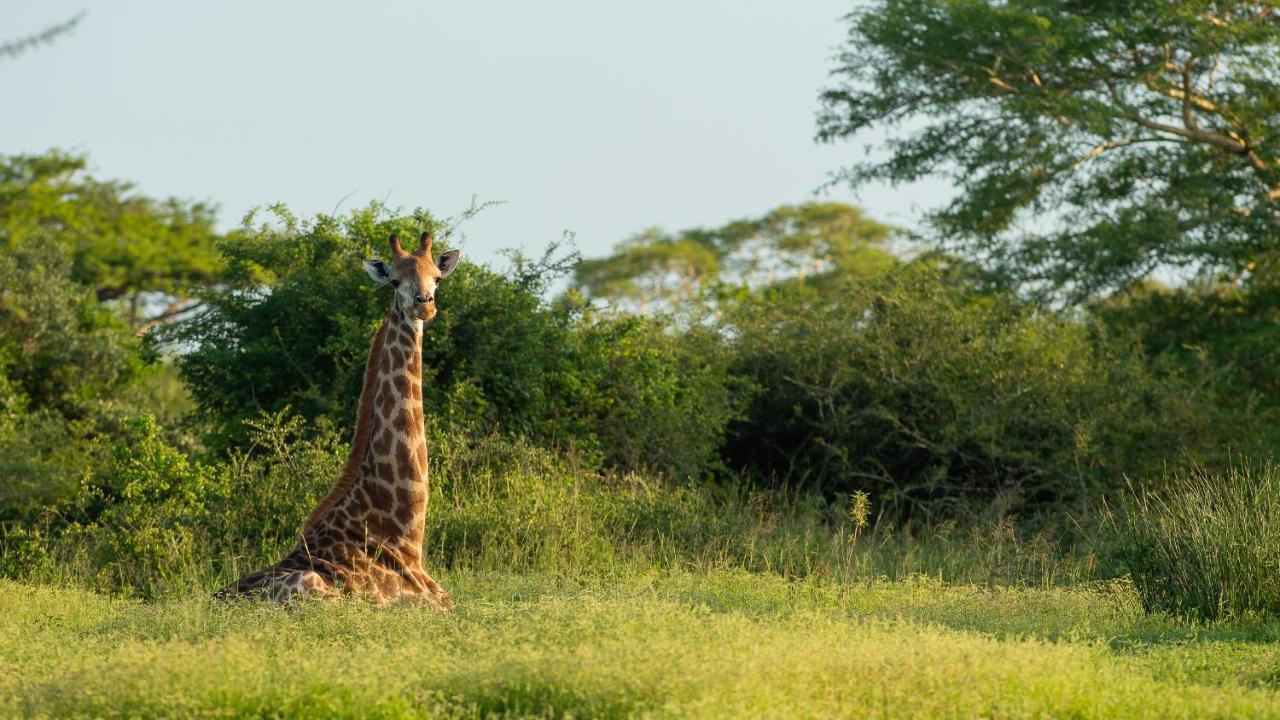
381 498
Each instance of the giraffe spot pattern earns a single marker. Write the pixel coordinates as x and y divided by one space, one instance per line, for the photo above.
369 539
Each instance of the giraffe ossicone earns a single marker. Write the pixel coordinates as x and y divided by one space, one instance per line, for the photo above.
365 536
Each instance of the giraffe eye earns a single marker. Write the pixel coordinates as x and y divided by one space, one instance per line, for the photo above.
395 283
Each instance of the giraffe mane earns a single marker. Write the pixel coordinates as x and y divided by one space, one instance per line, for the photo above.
360 441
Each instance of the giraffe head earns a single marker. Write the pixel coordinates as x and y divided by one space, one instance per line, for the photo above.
413 275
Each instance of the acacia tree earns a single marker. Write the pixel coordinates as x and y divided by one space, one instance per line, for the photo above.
812 242
1092 141
143 255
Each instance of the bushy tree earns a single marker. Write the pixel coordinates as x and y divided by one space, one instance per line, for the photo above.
931 396
292 324
142 254
1228 329
1091 141
60 349
69 368
814 241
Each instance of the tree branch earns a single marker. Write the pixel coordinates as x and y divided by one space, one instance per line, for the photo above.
172 311
13 48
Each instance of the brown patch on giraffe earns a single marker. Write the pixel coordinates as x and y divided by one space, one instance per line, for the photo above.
381 525
383 399
404 461
400 423
382 445
361 497
403 496
402 384
379 493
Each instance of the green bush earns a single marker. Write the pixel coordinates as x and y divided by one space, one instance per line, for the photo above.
649 397
293 327
60 349
931 397
1223 328
1205 544
69 370
141 519
150 521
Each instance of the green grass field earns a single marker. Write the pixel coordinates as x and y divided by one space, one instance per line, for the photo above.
718 644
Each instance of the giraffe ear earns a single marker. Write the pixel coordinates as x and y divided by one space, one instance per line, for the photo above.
378 270
448 262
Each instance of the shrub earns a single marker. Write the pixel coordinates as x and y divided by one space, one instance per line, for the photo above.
1225 329
292 329
59 348
152 522
291 326
69 370
649 397
1205 544
931 396
141 519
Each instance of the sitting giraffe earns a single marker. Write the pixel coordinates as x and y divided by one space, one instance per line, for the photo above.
365 536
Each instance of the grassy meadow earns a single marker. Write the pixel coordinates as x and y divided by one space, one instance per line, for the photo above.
720 643
1016 459
582 594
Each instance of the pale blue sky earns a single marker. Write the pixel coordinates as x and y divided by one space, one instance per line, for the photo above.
598 117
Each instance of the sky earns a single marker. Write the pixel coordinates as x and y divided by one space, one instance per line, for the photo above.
599 118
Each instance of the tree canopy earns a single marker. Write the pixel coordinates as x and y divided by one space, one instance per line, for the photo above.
121 243
1091 141
811 241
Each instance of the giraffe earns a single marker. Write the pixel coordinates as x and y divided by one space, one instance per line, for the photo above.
365 536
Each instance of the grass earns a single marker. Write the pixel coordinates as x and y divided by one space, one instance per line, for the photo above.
1206 544
588 595
723 643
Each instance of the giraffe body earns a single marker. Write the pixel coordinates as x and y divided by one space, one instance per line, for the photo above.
365 537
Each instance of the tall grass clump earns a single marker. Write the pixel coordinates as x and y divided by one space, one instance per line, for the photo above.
1206 544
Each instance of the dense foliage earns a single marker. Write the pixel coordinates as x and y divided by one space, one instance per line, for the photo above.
143 253
814 242
1147 134
927 394
69 368
290 328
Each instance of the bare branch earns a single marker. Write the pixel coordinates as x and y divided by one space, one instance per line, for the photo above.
13 48
172 311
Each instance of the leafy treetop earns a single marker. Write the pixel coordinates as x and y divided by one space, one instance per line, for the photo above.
810 241
1092 141
122 244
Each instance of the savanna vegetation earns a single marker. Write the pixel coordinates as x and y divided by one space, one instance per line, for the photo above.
796 465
